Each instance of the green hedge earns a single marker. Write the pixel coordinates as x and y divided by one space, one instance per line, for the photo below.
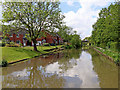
114 46
46 44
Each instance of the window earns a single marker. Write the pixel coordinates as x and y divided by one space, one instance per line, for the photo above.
11 35
17 35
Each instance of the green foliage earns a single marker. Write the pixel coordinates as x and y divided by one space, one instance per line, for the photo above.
3 43
12 43
106 29
65 33
70 36
20 44
113 54
113 45
32 17
68 46
46 44
4 63
76 42
12 54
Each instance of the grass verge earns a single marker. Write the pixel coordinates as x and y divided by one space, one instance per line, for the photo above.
113 54
12 54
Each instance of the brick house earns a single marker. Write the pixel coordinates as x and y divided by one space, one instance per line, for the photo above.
20 38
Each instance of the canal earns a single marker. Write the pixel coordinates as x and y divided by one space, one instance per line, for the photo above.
64 69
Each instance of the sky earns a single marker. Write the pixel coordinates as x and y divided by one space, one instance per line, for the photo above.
81 14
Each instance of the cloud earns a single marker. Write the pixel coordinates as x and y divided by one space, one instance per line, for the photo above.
85 17
70 2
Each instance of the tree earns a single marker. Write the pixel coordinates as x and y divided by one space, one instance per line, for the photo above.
76 41
65 32
33 17
106 29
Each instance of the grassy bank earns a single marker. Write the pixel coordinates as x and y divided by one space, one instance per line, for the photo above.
11 54
113 54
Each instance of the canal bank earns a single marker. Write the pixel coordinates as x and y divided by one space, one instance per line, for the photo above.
111 55
67 69
17 54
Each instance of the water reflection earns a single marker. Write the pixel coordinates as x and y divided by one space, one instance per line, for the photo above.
106 70
67 69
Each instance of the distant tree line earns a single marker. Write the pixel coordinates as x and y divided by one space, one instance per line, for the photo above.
106 30
70 36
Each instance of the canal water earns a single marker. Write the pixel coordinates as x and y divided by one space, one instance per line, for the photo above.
65 69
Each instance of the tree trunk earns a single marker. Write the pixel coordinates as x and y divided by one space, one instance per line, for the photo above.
35 47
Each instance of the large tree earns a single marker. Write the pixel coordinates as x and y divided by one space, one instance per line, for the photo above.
33 17
65 32
106 29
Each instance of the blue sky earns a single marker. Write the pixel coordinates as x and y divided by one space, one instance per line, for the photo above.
81 14
66 8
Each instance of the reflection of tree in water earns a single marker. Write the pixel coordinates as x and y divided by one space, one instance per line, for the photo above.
36 78
106 70
34 73
69 59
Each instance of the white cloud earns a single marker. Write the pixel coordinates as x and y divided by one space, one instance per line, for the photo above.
85 17
70 2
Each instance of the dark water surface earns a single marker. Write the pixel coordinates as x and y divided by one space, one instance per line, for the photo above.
66 69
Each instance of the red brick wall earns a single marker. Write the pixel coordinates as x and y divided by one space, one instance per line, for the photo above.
15 38
49 38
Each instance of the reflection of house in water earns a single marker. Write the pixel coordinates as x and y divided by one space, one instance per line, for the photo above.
19 37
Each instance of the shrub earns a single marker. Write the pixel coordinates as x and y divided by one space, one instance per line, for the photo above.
114 45
46 44
2 44
76 42
20 44
52 44
11 43
4 63
117 62
7 45
62 46
68 46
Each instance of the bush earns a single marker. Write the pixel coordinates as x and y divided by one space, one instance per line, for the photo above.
12 45
102 45
4 63
117 62
46 44
62 46
56 47
68 46
20 44
114 45
76 42
52 44
2 44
